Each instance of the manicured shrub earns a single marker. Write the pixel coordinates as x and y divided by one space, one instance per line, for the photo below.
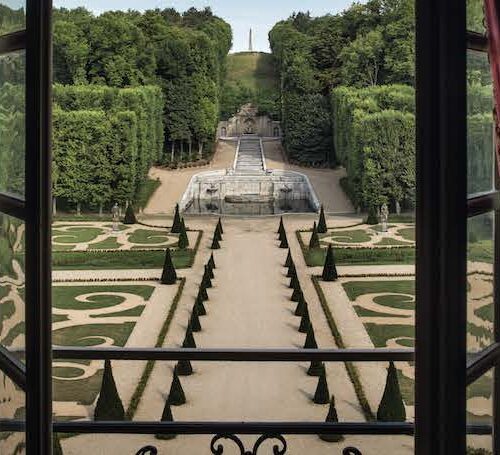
200 308
292 271
372 217
281 227
322 227
184 368
322 394
301 306
316 368
294 282
314 241
129 215
176 224
169 275
189 339
206 281
109 405
176 396
194 320
289 259
305 321
219 226
310 342
329 269
391 408
210 270
56 445
215 243
166 416
218 233
202 293
211 262
297 295
183 237
284 241
332 417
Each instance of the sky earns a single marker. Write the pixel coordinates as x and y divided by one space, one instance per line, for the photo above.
260 15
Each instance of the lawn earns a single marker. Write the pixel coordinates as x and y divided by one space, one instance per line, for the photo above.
75 234
149 236
254 70
354 236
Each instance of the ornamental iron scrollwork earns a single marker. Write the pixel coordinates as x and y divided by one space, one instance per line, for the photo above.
148 450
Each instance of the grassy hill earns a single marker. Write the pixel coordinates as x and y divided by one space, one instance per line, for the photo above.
251 78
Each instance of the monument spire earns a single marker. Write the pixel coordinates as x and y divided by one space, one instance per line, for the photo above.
250 41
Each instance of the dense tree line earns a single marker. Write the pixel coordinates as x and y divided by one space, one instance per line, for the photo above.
366 45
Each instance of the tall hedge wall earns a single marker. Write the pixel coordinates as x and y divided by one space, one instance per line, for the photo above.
132 118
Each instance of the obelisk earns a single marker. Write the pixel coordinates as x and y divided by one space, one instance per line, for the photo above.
250 41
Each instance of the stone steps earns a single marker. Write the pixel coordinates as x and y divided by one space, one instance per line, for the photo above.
249 155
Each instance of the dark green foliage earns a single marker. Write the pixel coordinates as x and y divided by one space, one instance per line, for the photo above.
166 416
284 241
333 418
56 445
219 226
194 320
314 241
176 397
322 394
305 321
218 233
322 227
177 222
292 271
289 259
202 293
294 282
215 243
329 269
183 237
211 262
372 217
189 338
316 368
129 215
210 270
169 275
391 408
109 405
206 281
281 227
297 295
301 306
310 342
184 368
200 308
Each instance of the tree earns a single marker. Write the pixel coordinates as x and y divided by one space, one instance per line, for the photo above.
292 271
284 241
176 396
206 281
310 342
322 394
322 227
200 308
215 243
305 321
169 275
189 339
281 227
184 368
297 295
218 233
372 215
202 293
332 417
289 259
301 306
194 320
329 269
109 405
219 226
391 408
316 368
129 215
183 237
294 282
314 241
166 416
176 224
211 262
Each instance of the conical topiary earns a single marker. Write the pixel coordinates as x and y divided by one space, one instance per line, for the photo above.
206 281
211 262
129 215
296 295
329 269
391 408
294 283
291 271
310 339
316 368
331 417
176 397
322 394
56 445
219 226
322 228
202 293
166 417
217 233
372 217
184 368
301 306
281 227
314 241
109 405
189 339
176 224
210 270
183 237
284 241
194 320
215 243
200 308
289 259
305 320
169 275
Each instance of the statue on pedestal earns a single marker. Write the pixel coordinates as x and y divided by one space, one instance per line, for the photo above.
384 217
115 214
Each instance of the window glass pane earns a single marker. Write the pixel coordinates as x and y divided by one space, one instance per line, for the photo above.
480 412
12 16
12 283
480 287
480 130
475 16
12 109
12 406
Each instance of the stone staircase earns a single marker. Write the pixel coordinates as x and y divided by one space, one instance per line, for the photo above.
249 160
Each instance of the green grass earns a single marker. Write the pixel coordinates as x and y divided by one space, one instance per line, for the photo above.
102 260
254 70
110 243
486 312
481 251
380 333
76 234
145 192
148 236
398 301
363 312
407 233
389 241
356 236
356 288
80 335
64 297
378 227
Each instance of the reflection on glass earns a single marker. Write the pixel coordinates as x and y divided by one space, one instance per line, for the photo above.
12 284
12 16
475 16
480 412
12 406
480 308
12 108
480 146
